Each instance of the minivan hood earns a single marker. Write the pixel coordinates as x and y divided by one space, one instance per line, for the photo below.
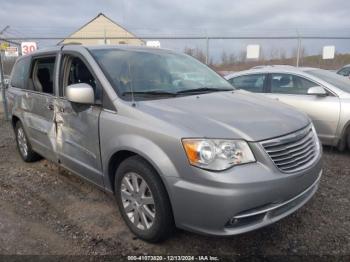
236 115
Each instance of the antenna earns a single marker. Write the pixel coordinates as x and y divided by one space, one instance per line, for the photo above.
131 88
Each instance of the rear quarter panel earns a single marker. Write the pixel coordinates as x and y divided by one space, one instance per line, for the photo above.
15 100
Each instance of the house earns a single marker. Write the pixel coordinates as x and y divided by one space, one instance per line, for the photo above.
102 30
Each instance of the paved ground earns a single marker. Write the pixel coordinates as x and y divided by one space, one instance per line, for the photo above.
44 210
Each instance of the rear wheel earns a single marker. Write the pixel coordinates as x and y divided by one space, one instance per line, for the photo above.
342 145
23 145
143 200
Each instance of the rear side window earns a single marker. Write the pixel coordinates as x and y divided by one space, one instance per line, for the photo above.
252 83
42 76
20 73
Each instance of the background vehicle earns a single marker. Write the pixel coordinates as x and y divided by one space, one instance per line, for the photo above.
191 152
323 95
344 71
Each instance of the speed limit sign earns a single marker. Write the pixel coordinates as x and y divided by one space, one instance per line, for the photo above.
28 47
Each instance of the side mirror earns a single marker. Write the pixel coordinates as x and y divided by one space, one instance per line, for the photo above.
317 90
80 93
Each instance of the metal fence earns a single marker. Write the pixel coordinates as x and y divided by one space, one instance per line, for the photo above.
229 52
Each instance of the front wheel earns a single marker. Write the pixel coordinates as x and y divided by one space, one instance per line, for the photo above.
344 141
143 200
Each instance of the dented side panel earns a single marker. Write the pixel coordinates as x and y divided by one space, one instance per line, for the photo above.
78 143
39 120
32 108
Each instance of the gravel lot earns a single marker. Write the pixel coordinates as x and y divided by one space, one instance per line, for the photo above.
46 210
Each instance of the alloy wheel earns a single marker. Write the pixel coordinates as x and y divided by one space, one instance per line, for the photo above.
22 142
138 201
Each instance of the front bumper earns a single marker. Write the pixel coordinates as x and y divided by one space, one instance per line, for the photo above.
243 199
263 216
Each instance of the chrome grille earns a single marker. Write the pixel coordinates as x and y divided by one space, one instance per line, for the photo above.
293 152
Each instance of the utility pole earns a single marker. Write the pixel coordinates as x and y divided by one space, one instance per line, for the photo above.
299 49
206 48
207 51
2 80
104 36
3 91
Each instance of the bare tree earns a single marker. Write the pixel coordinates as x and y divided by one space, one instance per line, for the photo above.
224 58
262 55
196 53
232 59
282 54
274 53
302 54
242 57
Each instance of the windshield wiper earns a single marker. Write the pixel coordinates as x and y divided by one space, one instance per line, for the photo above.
203 90
187 91
153 93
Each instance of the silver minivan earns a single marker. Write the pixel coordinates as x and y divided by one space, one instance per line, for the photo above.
175 143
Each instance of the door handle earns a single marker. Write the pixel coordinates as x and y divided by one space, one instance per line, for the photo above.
50 107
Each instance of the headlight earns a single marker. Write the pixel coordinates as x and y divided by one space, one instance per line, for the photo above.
217 154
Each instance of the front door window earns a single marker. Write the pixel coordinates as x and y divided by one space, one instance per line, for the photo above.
290 84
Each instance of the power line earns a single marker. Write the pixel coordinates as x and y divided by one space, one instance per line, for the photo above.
315 37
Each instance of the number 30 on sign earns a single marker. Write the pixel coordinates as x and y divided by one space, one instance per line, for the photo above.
28 47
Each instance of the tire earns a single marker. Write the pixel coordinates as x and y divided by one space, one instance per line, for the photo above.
344 141
138 203
24 148
342 144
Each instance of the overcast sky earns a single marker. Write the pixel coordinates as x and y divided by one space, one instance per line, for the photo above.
180 17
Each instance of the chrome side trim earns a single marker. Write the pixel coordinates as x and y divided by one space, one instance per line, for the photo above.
287 138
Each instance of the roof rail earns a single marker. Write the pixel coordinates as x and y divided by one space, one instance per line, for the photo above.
70 43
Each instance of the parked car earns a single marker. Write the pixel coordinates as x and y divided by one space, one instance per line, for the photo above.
344 71
197 155
323 95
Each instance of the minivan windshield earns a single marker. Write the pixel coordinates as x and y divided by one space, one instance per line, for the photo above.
150 74
334 79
